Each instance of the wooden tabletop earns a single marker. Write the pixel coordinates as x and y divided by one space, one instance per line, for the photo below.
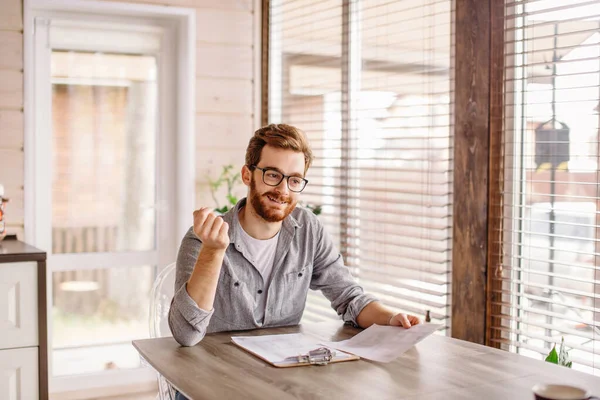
438 367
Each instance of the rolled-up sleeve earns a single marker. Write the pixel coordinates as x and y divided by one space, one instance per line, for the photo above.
187 321
334 279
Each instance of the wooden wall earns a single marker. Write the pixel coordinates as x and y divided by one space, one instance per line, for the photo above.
11 110
225 92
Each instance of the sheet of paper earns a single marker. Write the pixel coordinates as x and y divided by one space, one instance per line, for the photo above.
276 348
384 343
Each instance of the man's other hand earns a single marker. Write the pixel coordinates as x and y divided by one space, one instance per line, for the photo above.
404 320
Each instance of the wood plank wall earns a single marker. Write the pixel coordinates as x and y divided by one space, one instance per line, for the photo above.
225 92
11 110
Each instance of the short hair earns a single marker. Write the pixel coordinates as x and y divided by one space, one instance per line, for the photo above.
281 136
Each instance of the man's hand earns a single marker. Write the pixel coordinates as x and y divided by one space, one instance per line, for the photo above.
404 320
377 313
211 229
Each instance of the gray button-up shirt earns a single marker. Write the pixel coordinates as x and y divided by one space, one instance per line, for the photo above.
305 258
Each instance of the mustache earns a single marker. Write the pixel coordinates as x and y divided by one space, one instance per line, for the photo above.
278 198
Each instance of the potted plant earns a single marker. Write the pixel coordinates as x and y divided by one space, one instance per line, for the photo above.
560 358
230 179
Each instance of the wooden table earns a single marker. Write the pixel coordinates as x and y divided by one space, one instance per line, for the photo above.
438 367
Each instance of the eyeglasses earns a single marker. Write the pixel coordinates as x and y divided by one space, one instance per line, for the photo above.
273 177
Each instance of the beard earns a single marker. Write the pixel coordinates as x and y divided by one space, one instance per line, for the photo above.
264 207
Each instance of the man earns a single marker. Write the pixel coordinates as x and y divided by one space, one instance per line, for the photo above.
253 267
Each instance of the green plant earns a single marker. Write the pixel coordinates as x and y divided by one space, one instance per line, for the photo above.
560 358
316 209
228 178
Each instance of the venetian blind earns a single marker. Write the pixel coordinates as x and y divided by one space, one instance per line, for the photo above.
370 82
551 249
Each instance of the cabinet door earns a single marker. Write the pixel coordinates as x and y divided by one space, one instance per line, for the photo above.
19 374
18 305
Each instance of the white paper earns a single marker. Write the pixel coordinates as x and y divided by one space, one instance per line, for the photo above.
384 343
276 348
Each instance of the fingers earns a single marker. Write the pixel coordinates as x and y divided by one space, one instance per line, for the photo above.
200 216
207 227
211 229
404 321
224 231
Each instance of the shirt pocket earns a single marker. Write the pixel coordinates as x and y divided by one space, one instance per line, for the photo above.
295 289
232 303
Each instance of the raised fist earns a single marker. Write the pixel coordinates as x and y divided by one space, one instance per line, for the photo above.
211 229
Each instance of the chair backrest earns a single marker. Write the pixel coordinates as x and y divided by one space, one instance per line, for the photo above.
160 302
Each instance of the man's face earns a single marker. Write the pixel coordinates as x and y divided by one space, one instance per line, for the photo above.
275 203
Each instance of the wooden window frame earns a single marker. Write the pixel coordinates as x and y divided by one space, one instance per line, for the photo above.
478 172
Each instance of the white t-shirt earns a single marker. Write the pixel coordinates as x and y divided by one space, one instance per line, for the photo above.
262 256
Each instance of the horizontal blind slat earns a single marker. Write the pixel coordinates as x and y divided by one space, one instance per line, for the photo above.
573 292
542 313
406 272
574 332
546 300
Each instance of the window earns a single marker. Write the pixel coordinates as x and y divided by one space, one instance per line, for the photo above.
371 85
551 221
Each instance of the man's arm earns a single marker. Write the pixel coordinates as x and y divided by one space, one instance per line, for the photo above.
333 278
197 277
377 313
202 285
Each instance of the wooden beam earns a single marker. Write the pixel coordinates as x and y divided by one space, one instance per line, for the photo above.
496 174
264 87
471 172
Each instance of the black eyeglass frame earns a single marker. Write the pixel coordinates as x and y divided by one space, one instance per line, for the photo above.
283 176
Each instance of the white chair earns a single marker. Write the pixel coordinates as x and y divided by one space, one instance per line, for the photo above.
160 302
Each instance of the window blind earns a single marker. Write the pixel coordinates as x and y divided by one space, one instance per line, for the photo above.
371 82
550 224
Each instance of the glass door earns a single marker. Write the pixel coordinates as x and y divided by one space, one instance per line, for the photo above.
103 98
104 114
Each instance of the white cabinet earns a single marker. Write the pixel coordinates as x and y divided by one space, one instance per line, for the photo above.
18 305
23 322
19 374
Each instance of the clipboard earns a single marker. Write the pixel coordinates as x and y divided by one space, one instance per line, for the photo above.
291 350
